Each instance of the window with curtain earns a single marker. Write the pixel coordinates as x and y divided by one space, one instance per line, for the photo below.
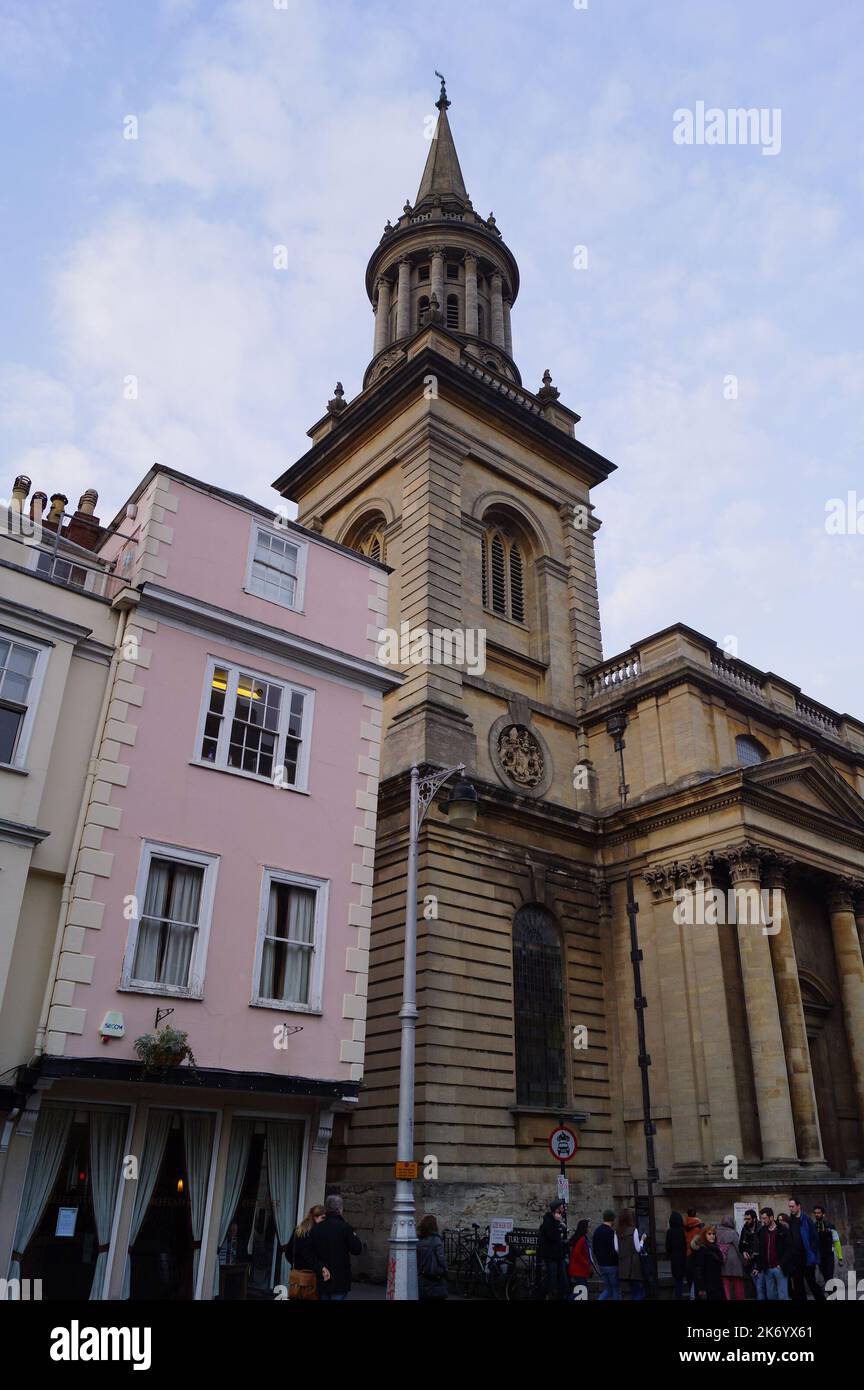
290 941
255 725
538 1009
168 938
276 567
503 575
18 669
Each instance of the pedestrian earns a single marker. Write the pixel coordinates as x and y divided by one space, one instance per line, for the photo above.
431 1262
804 1255
676 1251
605 1246
333 1244
748 1241
828 1243
708 1266
580 1265
630 1244
552 1252
692 1227
771 1259
733 1265
307 1272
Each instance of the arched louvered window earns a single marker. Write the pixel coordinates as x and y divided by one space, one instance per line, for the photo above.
749 751
369 539
481 328
503 576
423 311
538 1009
452 311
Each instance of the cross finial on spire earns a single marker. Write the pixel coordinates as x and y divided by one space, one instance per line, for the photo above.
442 103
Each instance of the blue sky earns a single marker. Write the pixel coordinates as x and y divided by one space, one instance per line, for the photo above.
304 126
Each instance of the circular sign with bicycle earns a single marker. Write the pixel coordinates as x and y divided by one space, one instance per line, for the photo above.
563 1144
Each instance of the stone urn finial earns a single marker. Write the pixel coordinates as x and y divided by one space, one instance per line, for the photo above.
547 391
338 403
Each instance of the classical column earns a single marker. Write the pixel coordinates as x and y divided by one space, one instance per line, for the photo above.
773 1102
497 310
403 302
437 276
859 918
508 332
660 934
850 969
382 316
471 325
798 1069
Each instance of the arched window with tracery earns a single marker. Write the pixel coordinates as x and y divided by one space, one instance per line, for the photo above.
503 574
538 1009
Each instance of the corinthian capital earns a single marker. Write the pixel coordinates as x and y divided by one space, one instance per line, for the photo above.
744 861
776 869
662 879
844 891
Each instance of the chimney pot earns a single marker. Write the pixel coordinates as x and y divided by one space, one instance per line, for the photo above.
20 489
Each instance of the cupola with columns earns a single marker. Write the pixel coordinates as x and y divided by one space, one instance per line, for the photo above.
443 263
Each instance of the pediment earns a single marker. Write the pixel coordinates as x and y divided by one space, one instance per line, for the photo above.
810 780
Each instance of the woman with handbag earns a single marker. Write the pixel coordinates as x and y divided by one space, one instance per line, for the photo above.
306 1270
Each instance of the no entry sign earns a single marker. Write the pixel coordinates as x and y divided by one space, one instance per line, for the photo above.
563 1144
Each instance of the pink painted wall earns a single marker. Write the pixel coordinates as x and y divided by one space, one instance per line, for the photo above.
249 824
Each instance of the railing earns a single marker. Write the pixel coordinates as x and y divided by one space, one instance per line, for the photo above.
499 384
817 714
614 673
730 670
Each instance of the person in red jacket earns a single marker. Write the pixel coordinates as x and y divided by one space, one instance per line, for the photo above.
580 1267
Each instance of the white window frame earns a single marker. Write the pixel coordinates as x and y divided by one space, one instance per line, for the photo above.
288 688
302 548
19 756
321 887
155 849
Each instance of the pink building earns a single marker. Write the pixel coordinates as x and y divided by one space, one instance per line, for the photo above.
222 887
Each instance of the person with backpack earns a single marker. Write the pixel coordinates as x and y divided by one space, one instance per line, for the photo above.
431 1262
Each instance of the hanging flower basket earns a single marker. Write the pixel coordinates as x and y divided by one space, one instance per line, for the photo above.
167 1048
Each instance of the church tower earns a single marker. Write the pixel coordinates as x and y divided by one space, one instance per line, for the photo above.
477 493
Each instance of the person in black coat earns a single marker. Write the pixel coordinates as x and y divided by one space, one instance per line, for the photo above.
708 1266
676 1250
333 1244
552 1252
748 1249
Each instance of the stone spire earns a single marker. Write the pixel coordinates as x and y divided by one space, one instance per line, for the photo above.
442 177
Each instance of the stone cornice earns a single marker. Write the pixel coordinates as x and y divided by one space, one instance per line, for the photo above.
14 833
368 410
195 615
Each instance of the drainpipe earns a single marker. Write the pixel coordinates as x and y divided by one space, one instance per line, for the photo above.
92 766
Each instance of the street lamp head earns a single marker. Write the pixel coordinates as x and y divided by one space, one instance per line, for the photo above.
616 724
461 804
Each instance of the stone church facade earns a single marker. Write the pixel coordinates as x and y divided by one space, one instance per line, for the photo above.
698 777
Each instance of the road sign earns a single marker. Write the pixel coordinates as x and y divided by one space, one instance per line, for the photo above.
563 1144
563 1189
407 1171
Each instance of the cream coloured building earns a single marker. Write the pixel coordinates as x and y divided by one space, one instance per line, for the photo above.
479 494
